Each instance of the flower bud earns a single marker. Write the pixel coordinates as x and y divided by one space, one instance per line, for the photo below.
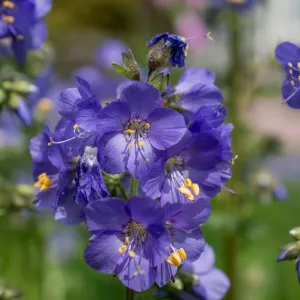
295 233
289 252
21 86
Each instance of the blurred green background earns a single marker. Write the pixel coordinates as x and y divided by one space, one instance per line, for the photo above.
44 259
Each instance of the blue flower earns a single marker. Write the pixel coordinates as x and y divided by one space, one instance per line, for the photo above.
212 284
239 5
134 129
90 185
196 88
187 243
141 242
21 21
129 240
288 55
177 45
198 165
53 171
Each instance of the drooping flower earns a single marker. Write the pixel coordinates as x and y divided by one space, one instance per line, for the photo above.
288 55
21 23
198 165
90 185
134 129
53 170
141 242
210 283
176 44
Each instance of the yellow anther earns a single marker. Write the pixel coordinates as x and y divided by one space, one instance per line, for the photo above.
8 19
130 146
189 196
298 65
8 4
291 71
43 182
41 176
123 248
141 143
50 144
45 106
182 253
299 77
290 65
44 187
126 240
188 182
292 83
131 253
147 159
129 131
147 125
20 37
174 259
184 190
37 184
195 188
76 126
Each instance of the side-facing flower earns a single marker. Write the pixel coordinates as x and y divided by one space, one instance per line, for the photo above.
134 129
53 171
186 239
210 283
129 239
90 185
195 88
176 44
288 55
21 22
198 165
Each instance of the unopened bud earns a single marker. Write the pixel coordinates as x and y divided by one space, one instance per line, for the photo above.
290 252
177 285
22 87
295 233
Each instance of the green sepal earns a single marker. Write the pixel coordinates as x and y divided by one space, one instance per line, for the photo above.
161 82
131 65
123 71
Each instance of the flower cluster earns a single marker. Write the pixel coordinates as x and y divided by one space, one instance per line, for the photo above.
22 25
172 142
288 55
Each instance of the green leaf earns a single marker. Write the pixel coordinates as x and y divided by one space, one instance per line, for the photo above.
123 71
161 82
131 65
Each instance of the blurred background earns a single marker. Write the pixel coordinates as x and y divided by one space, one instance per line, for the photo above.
44 259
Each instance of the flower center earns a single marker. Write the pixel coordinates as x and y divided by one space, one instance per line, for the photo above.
43 182
136 130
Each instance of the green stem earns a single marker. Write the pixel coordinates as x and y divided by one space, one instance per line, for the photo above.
232 203
130 294
134 186
123 192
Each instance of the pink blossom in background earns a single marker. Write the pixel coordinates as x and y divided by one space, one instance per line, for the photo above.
189 25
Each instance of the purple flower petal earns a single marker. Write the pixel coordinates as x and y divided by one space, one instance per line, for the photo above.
165 272
193 243
138 279
142 99
102 253
113 117
167 128
215 283
287 52
107 214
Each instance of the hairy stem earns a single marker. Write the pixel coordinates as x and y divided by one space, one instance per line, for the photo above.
134 186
